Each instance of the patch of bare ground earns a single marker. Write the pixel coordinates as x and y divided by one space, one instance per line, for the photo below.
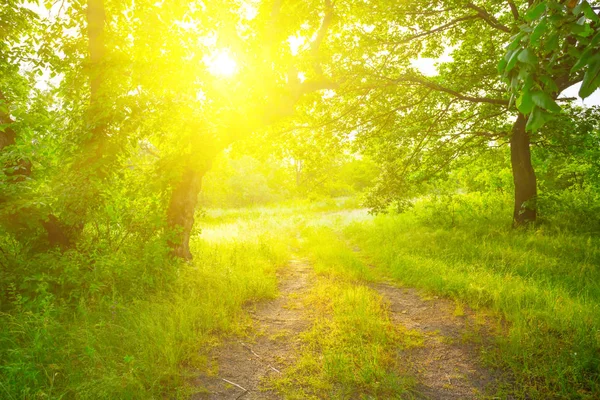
242 364
447 366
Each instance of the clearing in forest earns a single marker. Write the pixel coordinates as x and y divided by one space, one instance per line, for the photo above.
339 330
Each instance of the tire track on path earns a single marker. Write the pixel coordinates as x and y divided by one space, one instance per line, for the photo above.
244 363
446 366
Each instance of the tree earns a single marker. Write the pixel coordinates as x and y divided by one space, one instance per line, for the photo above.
417 125
134 79
19 107
268 93
145 84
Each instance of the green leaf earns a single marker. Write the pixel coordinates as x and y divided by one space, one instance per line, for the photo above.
543 100
549 84
585 8
526 56
556 19
535 12
514 83
501 65
515 41
524 73
538 31
525 28
537 119
525 103
552 43
513 60
595 40
580 30
583 59
591 79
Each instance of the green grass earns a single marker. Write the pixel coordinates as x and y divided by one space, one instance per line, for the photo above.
118 341
351 350
332 257
145 347
545 284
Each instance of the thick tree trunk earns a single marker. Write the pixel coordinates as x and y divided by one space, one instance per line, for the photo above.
7 135
523 174
96 19
180 215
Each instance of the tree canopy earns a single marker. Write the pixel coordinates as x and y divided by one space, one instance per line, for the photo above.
93 88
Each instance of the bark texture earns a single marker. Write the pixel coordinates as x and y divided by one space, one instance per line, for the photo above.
523 174
180 215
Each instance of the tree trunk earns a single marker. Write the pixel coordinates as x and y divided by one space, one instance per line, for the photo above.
180 215
7 135
96 19
523 175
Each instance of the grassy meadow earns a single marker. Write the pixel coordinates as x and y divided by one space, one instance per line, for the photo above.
410 189
118 345
540 285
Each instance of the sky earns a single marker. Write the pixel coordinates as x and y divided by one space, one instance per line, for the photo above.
592 100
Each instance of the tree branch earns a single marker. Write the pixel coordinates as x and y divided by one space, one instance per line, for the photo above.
432 12
489 135
321 34
296 89
490 19
513 9
440 88
440 28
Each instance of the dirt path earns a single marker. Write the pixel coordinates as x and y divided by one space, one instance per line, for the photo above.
242 365
446 366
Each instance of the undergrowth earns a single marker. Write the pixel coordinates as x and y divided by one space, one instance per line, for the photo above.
120 319
117 342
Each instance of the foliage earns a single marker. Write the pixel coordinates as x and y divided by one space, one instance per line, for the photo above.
556 45
112 113
243 180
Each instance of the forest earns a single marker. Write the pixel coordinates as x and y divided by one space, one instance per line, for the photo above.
299 199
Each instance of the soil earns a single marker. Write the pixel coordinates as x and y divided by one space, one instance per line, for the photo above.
244 364
447 366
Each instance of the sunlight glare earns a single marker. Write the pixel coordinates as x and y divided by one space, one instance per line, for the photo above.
220 63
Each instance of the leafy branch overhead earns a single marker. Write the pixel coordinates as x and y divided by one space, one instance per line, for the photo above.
556 44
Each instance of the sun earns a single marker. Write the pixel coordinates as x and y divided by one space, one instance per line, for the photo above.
221 63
